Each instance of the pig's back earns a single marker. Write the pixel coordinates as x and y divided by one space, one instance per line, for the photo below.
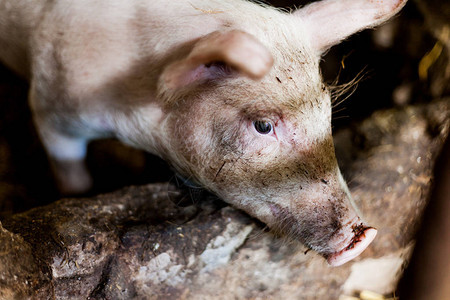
105 43
17 19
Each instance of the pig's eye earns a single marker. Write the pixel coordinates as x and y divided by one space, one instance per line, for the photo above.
263 127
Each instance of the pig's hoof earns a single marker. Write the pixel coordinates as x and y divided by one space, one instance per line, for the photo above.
72 177
75 186
356 247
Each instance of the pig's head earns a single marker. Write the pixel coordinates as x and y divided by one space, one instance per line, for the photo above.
250 120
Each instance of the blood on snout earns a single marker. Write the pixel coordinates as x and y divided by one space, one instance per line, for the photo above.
359 234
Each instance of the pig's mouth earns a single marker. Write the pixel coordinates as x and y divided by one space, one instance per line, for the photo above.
362 238
349 240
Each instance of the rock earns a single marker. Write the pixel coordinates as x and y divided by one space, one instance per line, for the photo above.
20 272
137 244
428 273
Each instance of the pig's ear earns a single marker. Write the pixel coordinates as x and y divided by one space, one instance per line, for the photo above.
236 50
330 21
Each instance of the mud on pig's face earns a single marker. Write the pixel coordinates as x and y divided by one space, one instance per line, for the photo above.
272 155
250 120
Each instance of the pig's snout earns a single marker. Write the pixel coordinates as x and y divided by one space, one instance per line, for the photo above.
362 237
335 231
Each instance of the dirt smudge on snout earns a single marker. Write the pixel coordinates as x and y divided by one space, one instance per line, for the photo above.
359 234
312 228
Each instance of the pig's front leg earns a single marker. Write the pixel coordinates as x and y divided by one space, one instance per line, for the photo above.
66 155
67 160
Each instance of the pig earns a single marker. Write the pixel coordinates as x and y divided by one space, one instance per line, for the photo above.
229 92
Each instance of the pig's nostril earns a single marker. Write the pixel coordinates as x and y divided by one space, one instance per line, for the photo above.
358 244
